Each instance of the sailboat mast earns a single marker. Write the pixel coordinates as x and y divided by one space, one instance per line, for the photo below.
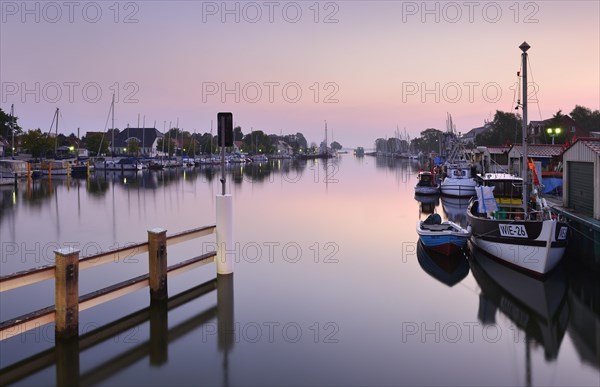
326 137
112 144
524 47
56 140
12 129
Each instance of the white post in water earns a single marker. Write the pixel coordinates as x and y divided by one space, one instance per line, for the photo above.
224 212
225 234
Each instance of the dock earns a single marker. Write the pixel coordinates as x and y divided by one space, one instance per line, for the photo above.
585 232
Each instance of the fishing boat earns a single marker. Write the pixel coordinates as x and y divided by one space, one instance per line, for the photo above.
443 237
459 181
523 234
426 184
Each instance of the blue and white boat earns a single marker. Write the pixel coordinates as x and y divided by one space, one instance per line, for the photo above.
443 237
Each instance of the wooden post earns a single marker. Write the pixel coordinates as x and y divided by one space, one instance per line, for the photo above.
67 293
157 260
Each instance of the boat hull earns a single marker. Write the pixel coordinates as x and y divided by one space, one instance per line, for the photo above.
532 246
462 188
444 242
423 190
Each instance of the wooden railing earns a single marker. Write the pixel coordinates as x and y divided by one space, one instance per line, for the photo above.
65 272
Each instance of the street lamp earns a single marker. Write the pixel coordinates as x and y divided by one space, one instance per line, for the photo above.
553 132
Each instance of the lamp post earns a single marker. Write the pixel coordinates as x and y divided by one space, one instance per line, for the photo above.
553 132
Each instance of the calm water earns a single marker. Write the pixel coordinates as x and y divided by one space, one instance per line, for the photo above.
330 287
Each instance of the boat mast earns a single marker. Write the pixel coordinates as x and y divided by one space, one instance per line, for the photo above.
112 144
12 129
524 47
56 132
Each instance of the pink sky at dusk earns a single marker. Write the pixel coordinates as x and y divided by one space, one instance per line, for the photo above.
358 72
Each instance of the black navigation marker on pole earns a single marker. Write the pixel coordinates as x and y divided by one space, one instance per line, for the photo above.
225 139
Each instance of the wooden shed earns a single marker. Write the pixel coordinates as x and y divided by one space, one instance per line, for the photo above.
581 177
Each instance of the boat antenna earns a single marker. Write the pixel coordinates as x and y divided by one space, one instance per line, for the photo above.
524 47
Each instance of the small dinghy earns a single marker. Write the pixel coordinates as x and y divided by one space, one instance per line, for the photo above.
443 237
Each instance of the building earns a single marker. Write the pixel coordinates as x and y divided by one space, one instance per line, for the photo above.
581 190
284 149
469 137
538 135
544 156
147 139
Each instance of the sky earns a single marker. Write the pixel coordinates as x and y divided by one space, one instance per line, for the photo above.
364 67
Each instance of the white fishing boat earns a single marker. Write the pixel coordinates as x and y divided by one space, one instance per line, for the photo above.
459 181
524 235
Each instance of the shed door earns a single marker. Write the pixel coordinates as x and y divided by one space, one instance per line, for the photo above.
581 187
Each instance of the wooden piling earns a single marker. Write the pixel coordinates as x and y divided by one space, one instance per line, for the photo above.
67 293
157 261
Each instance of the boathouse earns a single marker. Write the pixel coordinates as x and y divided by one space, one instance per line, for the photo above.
542 154
581 190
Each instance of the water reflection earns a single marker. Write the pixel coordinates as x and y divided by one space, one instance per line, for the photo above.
427 203
456 209
449 270
537 307
584 320
66 353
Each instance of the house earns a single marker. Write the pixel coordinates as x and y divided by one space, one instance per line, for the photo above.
237 146
146 138
538 134
3 146
545 156
469 137
581 190
284 149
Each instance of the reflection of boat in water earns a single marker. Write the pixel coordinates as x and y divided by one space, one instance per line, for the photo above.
538 307
449 270
427 203
456 209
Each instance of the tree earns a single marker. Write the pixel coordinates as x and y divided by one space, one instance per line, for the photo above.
506 129
557 121
336 146
429 140
96 144
169 145
585 118
258 141
133 146
6 124
37 143
237 133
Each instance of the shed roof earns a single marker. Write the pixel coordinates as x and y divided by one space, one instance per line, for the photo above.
539 150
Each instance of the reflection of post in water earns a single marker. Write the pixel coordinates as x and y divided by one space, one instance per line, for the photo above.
67 361
225 318
159 332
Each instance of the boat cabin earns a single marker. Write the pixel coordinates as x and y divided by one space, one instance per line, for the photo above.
508 193
459 171
426 179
